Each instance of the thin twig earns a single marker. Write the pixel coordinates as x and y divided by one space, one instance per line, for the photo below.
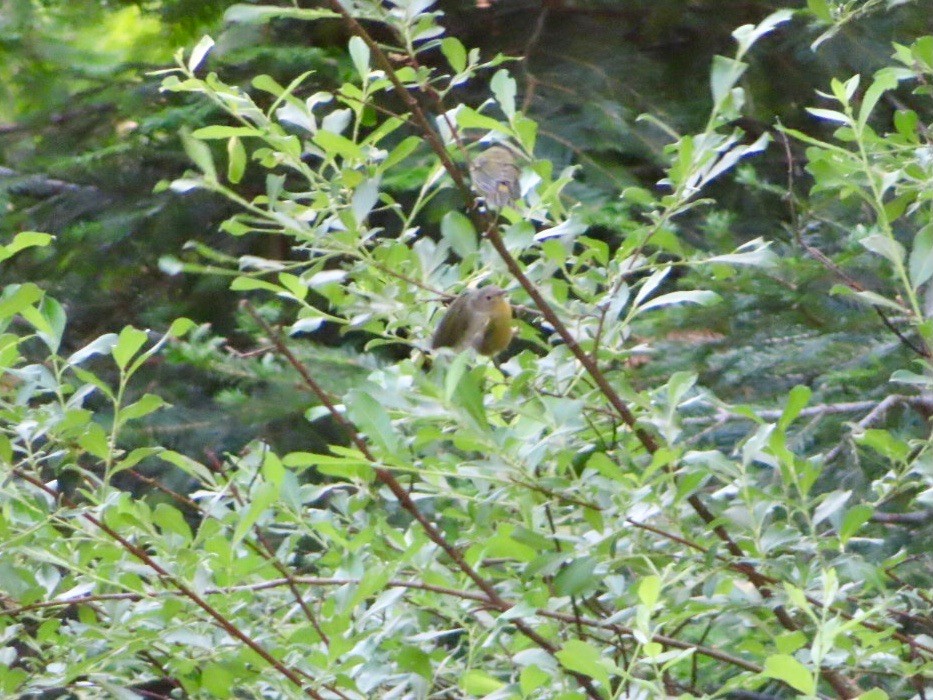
396 583
827 263
176 583
530 80
877 413
903 638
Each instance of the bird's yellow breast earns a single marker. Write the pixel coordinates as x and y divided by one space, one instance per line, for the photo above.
498 332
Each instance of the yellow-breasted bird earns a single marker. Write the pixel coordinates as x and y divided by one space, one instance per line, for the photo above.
478 318
495 176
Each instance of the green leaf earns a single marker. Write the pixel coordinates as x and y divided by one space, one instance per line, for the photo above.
217 680
143 407
336 145
884 80
748 34
218 131
697 296
527 132
873 694
504 89
455 53
249 284
365 197
603 464
263 82
786 668
577 578
503 544
264 13
187 465
920 263
48 318
404 149
369 416
458 231
98 346
581 657
789 642
455 372
469 118
128 344
869 297
854 518
479 683
830 115
884 443
906 122
885 246
17 297
96 441
359 54
532 678
134 458
413 659
725 73
23 240
262 498
236 160
199 52
180 327
831 503
820 10
904 376
797 399
649 591
170 519
200 154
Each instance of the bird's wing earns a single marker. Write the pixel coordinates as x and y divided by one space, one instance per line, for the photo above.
452 330
498 184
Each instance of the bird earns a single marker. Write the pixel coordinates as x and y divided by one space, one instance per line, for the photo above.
478 318
495 176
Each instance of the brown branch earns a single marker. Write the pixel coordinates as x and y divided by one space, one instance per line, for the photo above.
189 593
903 638
265 550
396 583
844 687
404 498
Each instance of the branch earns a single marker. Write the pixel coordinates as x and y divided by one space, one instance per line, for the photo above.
914 519
903 638
830 265
877 413
189 593
844 687
397 583
40 186
404 498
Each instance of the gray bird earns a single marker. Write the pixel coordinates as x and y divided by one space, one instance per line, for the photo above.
495 176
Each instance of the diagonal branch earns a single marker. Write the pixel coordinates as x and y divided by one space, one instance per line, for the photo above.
404 498
176 583
843 686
